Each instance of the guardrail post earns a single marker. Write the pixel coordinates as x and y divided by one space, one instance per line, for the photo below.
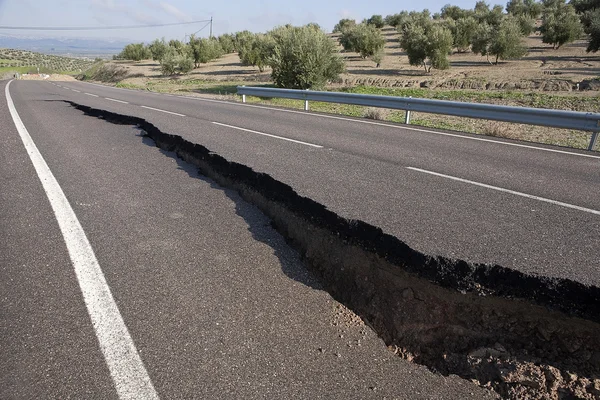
593 141
407 117
306 103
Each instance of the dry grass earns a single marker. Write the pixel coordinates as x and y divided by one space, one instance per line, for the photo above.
380 114
544 78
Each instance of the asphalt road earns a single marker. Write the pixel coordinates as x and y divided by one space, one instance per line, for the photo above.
212 301
529 207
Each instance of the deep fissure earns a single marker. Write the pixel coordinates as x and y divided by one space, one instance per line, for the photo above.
523 336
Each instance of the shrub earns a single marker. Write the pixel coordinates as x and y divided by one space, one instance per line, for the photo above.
376 21
178 46
425 42
168 64
158 48
185 64
257 49
364 39
589 11
462 30
343 25
396 20
527 8
204 50
560 25
227 43
134 52
504 42
304 58
375 113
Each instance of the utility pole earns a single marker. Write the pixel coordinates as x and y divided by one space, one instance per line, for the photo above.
210 36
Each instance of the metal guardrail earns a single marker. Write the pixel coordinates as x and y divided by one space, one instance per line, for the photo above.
576 120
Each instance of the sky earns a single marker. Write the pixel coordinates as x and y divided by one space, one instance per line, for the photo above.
228 16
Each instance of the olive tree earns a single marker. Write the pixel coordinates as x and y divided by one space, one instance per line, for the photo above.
503 42
364 39
135 52
304 58
560 25
589 10
158 48
427 42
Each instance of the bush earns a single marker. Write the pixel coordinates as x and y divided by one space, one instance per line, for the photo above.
158 48
560 25
227 43
185 64
462 30
178 46
204 50
343 25
376 21
375 113
427 41
134 52
257 49
589 11
168 65
395 19
504 42
304 58
527 8
366 40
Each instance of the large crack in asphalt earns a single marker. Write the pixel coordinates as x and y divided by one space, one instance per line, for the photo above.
522 336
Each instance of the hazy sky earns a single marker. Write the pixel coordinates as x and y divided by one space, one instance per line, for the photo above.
229 16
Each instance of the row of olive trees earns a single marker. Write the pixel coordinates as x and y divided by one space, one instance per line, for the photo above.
176 56
429 39
299 57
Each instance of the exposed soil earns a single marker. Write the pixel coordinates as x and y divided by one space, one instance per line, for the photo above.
568 69
523 336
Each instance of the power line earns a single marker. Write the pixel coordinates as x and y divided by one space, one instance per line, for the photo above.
98 28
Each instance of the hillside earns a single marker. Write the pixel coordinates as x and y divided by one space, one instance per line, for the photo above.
542 69
22 61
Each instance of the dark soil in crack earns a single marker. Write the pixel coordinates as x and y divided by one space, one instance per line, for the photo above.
523 336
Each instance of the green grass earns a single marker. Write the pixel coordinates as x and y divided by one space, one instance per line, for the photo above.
538 134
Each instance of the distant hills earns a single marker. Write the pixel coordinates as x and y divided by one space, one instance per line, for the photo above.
64 46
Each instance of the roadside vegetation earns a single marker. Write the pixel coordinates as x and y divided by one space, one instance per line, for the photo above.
404 54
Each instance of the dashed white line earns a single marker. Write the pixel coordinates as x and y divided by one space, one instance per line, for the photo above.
115 100
408 128
165 111
91 94
529 196
124 363
267 134
76 91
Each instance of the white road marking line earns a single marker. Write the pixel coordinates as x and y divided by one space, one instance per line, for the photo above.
396 127
118 101
165 111
531 147
125 365
529 196
266 134
91 94
76 91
